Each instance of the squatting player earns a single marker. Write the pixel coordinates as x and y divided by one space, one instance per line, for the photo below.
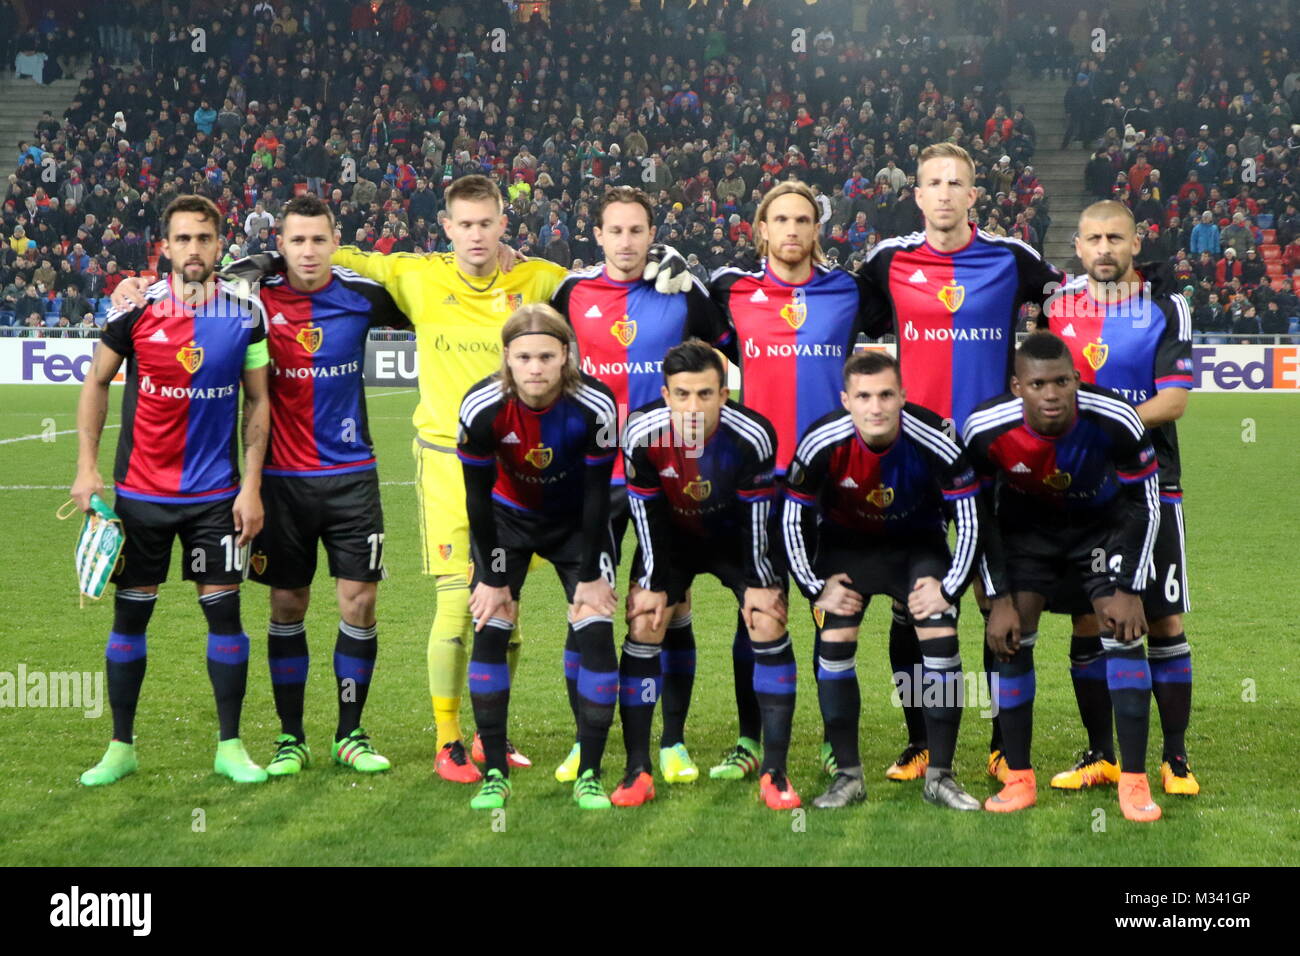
1134 339
537 444
700 489
950 295
1075 477
866 497
187 349
321 484
624 325
795 321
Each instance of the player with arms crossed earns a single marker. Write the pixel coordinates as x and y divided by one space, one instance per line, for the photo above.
700 489
624 325
796 320
950 295
187 349
537 443
1074 476
865 507
1135 339
321 484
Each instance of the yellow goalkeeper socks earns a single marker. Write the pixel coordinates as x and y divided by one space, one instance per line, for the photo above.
448 655
512 650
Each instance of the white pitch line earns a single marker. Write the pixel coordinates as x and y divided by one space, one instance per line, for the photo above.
385 394
45 435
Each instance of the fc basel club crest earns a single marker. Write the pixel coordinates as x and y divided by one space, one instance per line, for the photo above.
819 616
1096 353
539 457
795 312
258 562
952 296
697 489
1058 480
190 357
310 337
624 330
514 300
881 496
444 552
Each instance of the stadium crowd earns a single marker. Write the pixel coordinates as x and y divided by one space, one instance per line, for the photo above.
707 108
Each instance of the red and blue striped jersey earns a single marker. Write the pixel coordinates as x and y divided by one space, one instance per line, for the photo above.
792 342
953 314
625 328
317 342
541 456
713 493
181 405
1047 482
862 494
1136 346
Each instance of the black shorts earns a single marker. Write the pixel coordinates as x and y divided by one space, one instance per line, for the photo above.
1166 590
889 566
520 535
1046 560
342 512
690 556
619 516
209 554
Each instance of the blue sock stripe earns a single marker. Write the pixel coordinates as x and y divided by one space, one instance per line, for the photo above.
123 648
485 678
359 669
599 687
774 678
677 662
1177 670
572 660
228 648
1094 669
1127 673
1016 690
634 691
288 670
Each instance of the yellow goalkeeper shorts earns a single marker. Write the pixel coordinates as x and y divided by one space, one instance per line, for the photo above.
444 525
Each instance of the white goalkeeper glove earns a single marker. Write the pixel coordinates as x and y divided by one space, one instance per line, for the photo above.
666 268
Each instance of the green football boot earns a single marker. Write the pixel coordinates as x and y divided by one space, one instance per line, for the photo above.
589 792
118 761
493 794
291 756
234 762
355 751
740 762
567 772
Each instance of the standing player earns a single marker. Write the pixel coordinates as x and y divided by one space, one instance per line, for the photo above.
795 321
865 510
950 295
537 443
1076 490
700 489
623 327
1134 339
187 349
321 482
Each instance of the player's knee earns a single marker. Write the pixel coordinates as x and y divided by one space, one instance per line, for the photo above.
289 604
766 628
357 602
1170 626
641 631
1085 625
840 635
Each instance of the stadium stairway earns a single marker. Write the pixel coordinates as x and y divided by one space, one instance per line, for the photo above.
21 104
1059 170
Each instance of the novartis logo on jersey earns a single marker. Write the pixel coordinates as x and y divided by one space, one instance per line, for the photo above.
912 334
601 369
793 350
440 344
323 371
185 392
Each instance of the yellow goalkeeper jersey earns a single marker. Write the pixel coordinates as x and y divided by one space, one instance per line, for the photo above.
457 322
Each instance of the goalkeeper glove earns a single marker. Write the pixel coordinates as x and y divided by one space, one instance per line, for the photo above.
666 268
255 268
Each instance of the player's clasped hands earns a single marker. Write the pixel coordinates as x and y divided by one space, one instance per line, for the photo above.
838 598
926 599
487 602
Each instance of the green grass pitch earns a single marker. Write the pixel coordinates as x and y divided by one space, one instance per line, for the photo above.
1241 520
